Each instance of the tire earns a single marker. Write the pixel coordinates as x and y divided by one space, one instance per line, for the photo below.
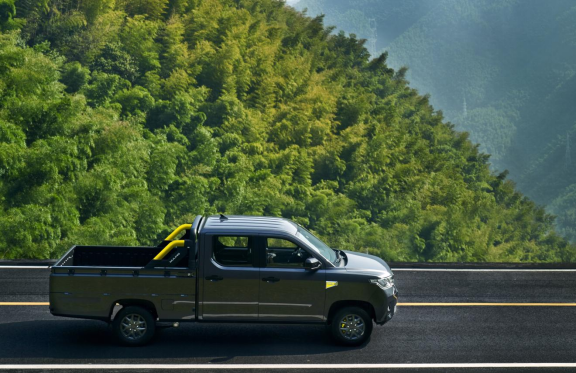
351 326
134 326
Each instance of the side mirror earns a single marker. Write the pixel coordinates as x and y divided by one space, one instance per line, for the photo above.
312 264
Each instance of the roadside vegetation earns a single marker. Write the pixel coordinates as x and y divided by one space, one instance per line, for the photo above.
120 120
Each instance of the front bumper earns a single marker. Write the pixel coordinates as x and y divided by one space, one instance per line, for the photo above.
391 303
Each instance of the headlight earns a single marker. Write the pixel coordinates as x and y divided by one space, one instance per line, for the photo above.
384 282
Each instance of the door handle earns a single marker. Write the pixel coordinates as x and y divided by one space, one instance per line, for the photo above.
214 278
271 280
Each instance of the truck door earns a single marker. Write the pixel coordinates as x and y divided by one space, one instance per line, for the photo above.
230 279
288 292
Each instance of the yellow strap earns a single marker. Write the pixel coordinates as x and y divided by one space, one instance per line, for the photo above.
178 230
168 248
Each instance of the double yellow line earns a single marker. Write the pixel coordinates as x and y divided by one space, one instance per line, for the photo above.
399 304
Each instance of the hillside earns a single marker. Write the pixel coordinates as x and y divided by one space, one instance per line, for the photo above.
121 120
503 70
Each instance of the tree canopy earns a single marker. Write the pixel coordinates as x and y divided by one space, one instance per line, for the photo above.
120 120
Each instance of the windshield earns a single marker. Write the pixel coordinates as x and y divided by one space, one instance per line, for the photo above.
315 243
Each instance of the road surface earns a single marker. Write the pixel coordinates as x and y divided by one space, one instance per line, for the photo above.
451 332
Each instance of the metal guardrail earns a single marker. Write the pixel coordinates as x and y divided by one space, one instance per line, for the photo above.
431 265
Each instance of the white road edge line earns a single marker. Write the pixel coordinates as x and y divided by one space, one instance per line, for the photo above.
281 366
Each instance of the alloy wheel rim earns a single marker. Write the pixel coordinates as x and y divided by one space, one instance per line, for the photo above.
352 327
133 326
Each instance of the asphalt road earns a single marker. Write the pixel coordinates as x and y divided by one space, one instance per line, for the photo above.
417 334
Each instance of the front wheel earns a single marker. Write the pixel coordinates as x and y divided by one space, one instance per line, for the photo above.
351 326
134 326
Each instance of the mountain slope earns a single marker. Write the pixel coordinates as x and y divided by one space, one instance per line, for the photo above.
120 120
503 70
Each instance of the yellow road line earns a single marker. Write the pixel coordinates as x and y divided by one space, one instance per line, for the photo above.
487 304
24 304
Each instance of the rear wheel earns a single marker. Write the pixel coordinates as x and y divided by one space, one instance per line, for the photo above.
134 326
351 326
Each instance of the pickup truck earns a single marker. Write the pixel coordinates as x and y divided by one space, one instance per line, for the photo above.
226 269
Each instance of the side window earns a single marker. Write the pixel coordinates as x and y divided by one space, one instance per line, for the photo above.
233 251
282 253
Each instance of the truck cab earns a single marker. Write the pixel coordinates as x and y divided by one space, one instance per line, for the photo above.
226 269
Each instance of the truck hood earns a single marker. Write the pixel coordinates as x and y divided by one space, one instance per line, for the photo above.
367 264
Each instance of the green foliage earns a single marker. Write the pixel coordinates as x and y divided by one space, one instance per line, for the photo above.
74 76
115 60
7 12
152 9
150 112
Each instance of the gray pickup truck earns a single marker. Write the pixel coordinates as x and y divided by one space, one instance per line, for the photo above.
226 269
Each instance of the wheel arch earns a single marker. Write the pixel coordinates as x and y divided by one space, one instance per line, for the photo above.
123 303
338 305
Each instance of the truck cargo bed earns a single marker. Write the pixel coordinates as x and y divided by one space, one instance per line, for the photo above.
109 256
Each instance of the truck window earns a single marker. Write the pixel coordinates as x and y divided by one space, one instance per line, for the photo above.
316 244
233 251
284 254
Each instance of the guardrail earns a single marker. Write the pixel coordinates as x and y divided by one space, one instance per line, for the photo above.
431 265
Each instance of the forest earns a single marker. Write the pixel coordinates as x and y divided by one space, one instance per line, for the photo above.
122 119
503 70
